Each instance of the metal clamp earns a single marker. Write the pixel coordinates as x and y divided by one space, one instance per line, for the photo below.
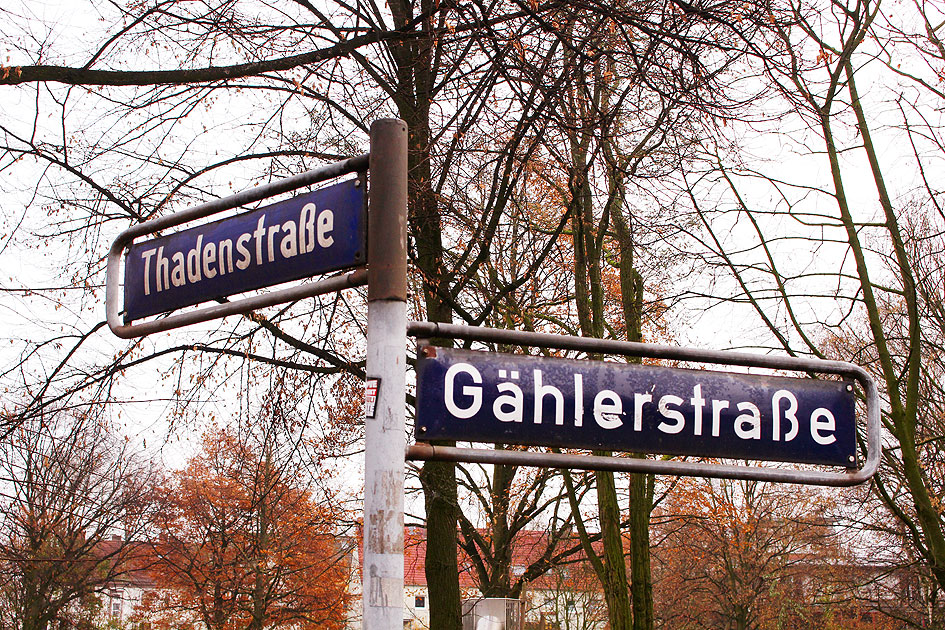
424 451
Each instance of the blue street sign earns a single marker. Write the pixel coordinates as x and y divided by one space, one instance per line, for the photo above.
315 233
516 399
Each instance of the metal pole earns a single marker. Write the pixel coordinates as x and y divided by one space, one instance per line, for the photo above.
382 569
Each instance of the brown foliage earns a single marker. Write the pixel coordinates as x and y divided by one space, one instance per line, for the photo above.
241 545
745 555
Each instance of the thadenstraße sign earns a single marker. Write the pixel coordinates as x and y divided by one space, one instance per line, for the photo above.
516 399
311 234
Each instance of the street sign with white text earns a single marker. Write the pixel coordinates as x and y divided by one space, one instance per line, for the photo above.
516 399
311 234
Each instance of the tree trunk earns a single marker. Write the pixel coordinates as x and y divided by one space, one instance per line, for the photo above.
614 578
438 479
904 405
612 571
500 579
33 606
441 566
641 485
413 96
641 580
260 582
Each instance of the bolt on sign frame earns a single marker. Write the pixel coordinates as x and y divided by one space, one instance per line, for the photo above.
851 476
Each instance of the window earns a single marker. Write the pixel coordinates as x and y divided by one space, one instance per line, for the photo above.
116 607
419 601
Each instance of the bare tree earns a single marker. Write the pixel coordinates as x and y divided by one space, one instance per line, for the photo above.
833 266
74 500
741 555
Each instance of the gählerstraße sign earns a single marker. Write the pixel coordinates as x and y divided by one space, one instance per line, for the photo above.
311 234
515 399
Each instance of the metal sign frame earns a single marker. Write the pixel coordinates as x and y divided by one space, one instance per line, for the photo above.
113 292
310 233
424 451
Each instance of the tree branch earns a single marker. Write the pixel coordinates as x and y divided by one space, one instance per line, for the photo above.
87 76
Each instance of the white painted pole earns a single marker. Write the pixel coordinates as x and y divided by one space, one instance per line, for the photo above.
382 570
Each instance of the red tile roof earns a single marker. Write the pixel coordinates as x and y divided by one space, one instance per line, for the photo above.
528 547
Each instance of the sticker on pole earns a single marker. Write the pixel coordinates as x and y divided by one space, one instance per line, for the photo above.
516 399
314 233
371 388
